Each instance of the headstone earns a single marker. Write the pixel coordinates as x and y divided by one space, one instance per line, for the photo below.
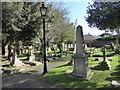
85 46
14 60
18 62
104 53
108 46
105 64
6 50
63 56
50 59
110 59
115 83
32 56
55 58
112 46
81 69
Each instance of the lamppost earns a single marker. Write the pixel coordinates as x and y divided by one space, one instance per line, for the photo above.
43 11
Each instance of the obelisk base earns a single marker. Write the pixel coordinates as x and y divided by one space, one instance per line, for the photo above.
81 69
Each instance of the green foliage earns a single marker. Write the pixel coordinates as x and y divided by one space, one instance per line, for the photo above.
22 21
104 15
9 19
62 29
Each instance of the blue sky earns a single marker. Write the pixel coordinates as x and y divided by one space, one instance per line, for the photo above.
78 11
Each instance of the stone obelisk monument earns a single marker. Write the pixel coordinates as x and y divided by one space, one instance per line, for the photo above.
81 69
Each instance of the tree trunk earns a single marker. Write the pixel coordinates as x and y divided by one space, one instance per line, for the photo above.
3 47
9 52
21 50
67 46
28 55
25 50
61 51
14 54
104 53
64 47
18 47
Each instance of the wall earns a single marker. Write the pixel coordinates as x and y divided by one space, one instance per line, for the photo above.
100 43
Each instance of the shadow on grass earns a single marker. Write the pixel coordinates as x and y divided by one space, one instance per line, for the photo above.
109 55
65 80
24 81
67 64
23 55
115 75
58 76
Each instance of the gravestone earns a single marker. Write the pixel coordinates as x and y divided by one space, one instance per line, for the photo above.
32 56
110 59
115 83
50 59
17 61
14 60
104 53
85 46
105 64
81 69
112 46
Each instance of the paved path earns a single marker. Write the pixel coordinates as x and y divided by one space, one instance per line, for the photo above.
30 79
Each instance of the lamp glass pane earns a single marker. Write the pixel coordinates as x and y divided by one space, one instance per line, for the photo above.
43 11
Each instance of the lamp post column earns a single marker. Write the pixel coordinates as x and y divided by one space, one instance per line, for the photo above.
45 64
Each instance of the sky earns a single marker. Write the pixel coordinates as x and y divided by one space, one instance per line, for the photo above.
78 11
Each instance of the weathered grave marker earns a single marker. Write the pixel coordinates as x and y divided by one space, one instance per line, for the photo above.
105 64
112 46
81 69
32 56
104 53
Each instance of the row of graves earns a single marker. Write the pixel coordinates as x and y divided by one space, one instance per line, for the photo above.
81 69
103 58
19 64
55 55
28 60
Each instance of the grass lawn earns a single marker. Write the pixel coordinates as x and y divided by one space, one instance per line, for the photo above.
109 52
100 79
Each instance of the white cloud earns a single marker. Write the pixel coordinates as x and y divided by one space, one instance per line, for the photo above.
93 31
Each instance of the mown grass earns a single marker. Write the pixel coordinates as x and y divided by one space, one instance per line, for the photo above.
109 52
100 79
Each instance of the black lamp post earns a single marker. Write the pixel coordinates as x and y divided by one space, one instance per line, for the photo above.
43 11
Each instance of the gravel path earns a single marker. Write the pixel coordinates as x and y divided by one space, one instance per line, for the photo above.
30 78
